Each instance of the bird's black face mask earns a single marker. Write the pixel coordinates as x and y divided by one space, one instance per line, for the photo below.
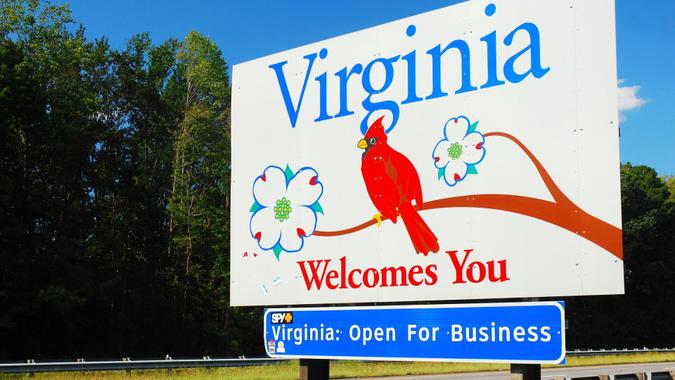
366 144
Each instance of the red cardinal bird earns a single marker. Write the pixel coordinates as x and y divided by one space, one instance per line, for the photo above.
392 183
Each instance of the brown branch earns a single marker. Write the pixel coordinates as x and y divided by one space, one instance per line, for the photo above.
347 230
555 191
563 212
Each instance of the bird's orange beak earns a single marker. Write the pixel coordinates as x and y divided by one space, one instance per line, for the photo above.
362 144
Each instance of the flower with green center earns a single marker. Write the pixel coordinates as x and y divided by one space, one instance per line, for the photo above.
285 207
455 151
282 210
459 151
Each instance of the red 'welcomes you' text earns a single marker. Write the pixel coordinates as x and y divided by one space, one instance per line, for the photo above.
323 273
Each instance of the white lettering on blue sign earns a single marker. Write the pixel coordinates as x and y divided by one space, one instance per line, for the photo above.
530 332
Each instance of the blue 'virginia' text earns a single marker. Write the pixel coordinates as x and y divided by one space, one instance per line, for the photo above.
509 73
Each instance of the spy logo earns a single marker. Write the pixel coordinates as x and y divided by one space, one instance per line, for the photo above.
282 318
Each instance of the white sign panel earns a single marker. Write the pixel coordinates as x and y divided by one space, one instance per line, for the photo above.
469 152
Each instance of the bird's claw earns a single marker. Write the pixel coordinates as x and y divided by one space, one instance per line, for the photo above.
378 217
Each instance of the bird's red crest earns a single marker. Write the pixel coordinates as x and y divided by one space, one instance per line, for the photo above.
376 130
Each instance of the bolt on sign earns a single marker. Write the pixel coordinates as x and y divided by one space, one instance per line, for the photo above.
465 153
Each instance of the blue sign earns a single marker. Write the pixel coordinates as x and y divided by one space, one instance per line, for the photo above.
529 332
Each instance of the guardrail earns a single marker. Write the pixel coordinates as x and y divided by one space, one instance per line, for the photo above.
127 364
615 351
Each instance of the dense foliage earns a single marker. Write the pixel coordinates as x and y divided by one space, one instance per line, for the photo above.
114 205
114 194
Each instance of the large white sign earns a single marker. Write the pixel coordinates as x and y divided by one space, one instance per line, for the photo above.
469 152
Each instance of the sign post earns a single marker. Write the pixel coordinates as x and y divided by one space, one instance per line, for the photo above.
466 153
314 369
525 371
528 371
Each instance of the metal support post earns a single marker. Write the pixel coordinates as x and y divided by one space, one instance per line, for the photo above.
314 369
525 371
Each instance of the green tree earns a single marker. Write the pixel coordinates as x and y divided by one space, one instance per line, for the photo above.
199 202
53 88
114 194
670 183
129 200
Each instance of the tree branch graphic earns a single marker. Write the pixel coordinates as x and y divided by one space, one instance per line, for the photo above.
562 212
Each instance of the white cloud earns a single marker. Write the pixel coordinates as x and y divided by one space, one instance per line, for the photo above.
629 99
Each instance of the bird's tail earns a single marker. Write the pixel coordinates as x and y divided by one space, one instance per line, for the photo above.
421 235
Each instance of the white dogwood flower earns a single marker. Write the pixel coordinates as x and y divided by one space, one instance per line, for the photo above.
460 150
285 208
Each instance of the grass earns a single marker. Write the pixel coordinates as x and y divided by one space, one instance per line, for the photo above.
338 369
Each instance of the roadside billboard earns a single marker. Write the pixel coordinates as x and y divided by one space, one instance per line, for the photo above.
465 153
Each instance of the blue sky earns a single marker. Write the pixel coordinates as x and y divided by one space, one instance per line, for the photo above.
249 29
